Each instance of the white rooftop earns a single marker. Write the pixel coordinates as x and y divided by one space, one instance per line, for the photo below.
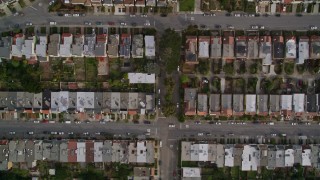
141 152
306 157
65 50
191 172
17 48
203 49
203 152
250 158
288 157
28 48
229 157
98 151
41 48
85 100
251 103
144 78
286 102
150 46
303 52
298 102
291 49
81 152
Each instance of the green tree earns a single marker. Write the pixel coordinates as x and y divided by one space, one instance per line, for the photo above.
184 79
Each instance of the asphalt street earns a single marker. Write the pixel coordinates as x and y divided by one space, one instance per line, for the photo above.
38 15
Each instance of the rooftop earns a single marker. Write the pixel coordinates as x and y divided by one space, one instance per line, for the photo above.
253 47
144 78
5 47
291 48
137 46
241 47
191 48
204 42
190 100
303 50
228 46
315 47
278 47
202 104
216 46
113 45
149 46
265 50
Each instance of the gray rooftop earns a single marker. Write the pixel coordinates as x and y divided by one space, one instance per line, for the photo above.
253 48
77 46
63 154
53 46
107 151
238 102
226 101
216 46
29 153
89 45
215 103
312 104
274 103
137 46
262 101
113 45
241 47
100 49
5 47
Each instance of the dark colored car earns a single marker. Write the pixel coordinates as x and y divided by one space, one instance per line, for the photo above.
278 15
228 14
98 23
163 15
133 24
136 122
299 15
146 122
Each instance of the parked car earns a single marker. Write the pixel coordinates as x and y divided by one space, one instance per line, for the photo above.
111 23
172 125
123 24
146 122
87 23
54 133
197 122
133 24
61 133
230 27
29 24
53 23
98 23
76 15
144 15
254 27
36 121
313 27
30 133
12 133
147 23
200 134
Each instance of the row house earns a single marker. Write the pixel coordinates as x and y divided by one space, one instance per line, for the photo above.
71 151
251 157
63 101
288 106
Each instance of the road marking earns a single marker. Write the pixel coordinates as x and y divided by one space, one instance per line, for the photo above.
34 8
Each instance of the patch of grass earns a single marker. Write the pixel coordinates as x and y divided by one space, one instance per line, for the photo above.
22 3
186 5
289 68
228 68
251 86
235 172
43 30
203 67
189 164
216 83
253 68
91 69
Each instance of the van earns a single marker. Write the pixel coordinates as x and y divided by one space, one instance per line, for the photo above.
53 23
160 144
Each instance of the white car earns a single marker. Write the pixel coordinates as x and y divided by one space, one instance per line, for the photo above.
254 27
70 133
177 105
61 133
172 125
102 122
30 132
261 27
86 133
144 15
148 130
147 23
67 15
237 15
293 124
78 122
29 24
87 23
132 15
53 23
97 133
218 123
313 27
36 121
307 123
54 133
230 27
123 24
273 135
76 15
12 133
178 68
200 134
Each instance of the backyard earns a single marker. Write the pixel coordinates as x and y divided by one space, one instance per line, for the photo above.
186 5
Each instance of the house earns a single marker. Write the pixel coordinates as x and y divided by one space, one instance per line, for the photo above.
65 46
315 161
265 50
191 173
226 104
141 152
150 103
128 3
38 150
137 46
115 102
312 104
241 47
306 156
89 45
28 48
72 107
237 154
286 105
78 2
262 102
150 49
53 46
101 46
303 50
215 104
315 47
20 151
107 151
77 46
278 47
54 150
140 3
108 3
96 2
113 45
253 47
120 151
202 108
72 151
119 8
291 47
98 102
263 154
89 151
161 3
250 158
133 103
229 155
125 45
274 103
132 152
81 151
63 151
190 101
41 48
289 157
141 78
13 151
297 153
251 107
37 102
215 47
17 44
238 104
204 42
151 3
191 50
98 151
59 101
4 154
85 101
124 103
298 104
228 45
5 47
271 157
